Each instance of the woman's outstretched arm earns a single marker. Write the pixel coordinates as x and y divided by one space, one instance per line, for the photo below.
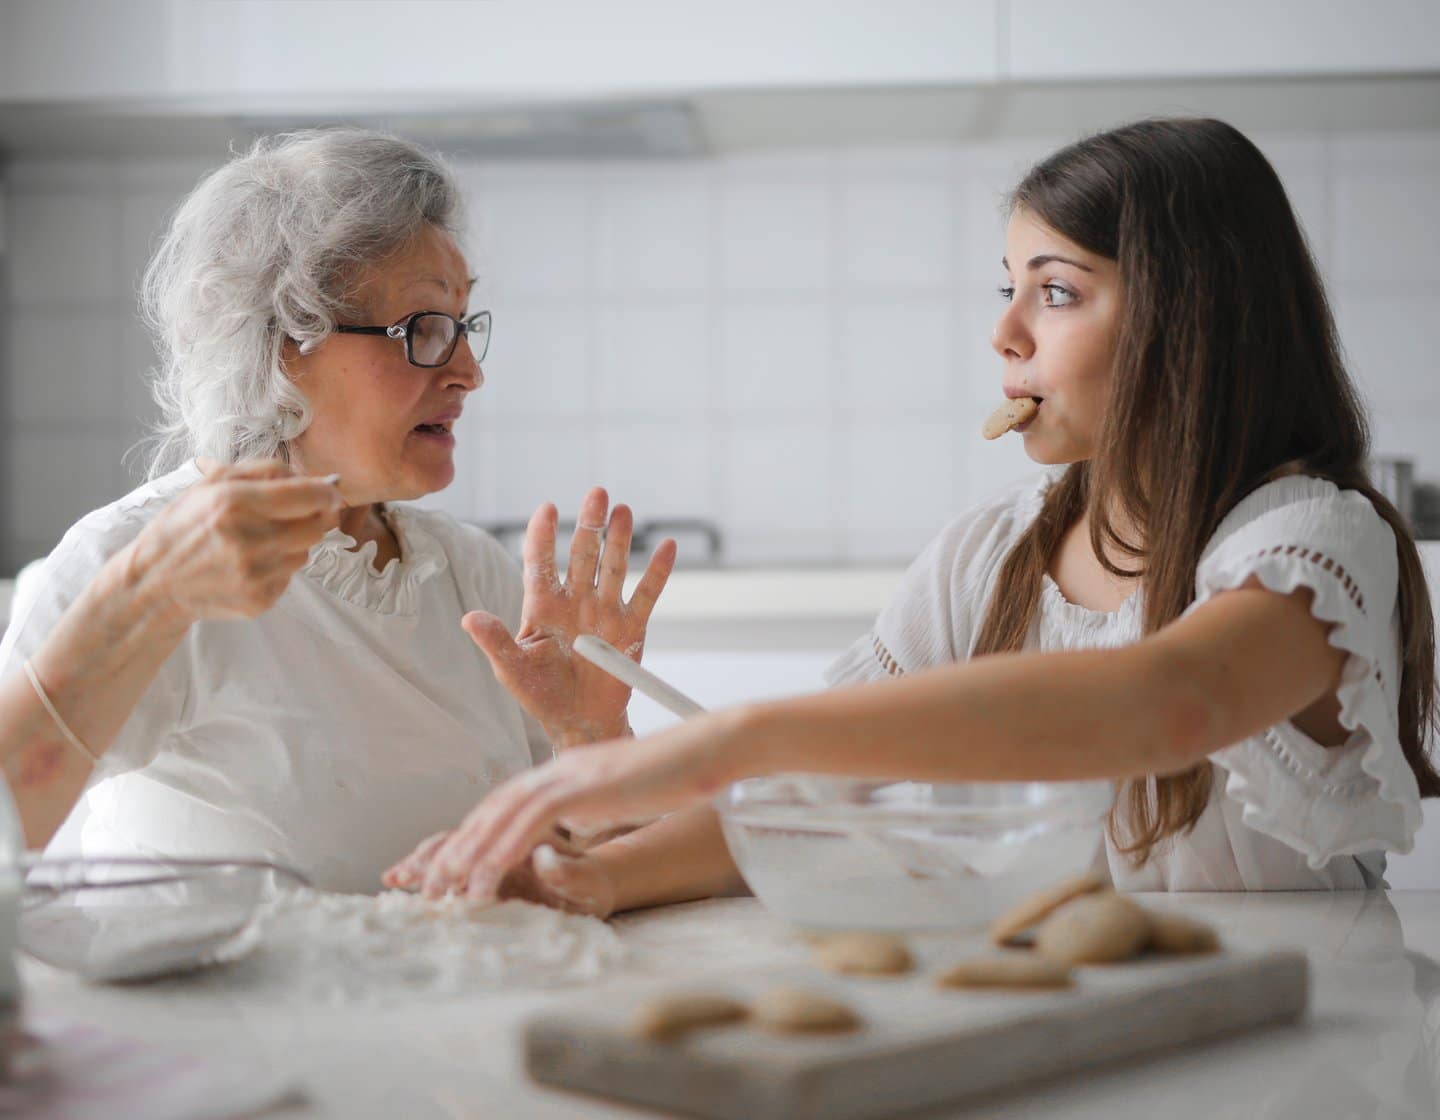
1245 660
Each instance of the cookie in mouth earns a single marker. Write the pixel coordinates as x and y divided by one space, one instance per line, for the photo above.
1014 413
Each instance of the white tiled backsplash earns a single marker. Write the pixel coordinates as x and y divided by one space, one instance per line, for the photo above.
794 344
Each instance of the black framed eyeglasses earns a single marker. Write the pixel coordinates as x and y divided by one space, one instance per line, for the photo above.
431 336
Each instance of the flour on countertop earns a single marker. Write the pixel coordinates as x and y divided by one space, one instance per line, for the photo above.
397 946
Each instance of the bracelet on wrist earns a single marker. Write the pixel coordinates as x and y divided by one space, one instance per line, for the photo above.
70 736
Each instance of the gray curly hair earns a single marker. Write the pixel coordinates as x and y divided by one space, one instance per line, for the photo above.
268 248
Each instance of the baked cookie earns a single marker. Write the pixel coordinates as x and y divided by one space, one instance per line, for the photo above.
1094 929
864 954
790 1010
1022 916
1011 970
1175 933
666 1018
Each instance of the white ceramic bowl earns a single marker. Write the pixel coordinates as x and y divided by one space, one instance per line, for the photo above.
836 853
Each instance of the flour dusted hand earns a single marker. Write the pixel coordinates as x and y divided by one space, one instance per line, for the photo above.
227 546
602 785
573 882
557 874
574 701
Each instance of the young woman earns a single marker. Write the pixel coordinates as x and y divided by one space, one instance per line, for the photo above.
1203 598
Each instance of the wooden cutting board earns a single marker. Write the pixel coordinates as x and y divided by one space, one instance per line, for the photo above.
920 1046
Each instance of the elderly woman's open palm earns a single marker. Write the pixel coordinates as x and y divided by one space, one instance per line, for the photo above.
573 700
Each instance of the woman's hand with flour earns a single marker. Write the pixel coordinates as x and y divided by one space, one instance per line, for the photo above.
557 873
227 547
602 785
573 700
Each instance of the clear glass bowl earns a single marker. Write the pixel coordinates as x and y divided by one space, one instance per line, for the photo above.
136 919
846 853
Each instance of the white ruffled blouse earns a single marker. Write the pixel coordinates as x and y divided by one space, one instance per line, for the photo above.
1285 813
332 733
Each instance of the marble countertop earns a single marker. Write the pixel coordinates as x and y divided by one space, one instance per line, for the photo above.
1369 1046
716 593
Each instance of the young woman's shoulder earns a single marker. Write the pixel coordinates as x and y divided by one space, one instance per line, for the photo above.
986 531
1300 532
1302 522
961 561
1301 495
932 617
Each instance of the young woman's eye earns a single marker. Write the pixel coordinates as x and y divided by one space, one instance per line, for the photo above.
1057 295
1006 293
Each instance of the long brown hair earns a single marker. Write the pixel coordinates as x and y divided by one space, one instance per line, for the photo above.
1228 372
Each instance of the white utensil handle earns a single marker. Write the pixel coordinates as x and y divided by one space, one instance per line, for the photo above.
605 656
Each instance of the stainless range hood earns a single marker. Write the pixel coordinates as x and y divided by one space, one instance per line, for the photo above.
644 130
717 123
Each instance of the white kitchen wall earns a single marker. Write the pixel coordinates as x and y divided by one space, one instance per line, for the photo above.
794 344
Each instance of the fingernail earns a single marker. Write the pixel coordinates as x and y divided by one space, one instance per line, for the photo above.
332 479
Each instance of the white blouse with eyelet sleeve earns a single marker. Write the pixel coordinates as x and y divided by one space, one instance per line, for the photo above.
1285 813
332 733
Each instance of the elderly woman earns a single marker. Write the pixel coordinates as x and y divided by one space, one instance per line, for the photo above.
258 652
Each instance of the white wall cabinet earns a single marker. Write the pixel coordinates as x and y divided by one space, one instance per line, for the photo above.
351 54
1058 40
198 56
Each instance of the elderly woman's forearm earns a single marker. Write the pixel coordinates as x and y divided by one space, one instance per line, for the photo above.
45 774
94 667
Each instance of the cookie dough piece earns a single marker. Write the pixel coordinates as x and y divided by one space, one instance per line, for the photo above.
1023 915
1009 415
1013 970
789 1010
666 1018
1175 933
864 954
1094 929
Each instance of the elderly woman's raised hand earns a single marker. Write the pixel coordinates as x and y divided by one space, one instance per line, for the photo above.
573 700
227 546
